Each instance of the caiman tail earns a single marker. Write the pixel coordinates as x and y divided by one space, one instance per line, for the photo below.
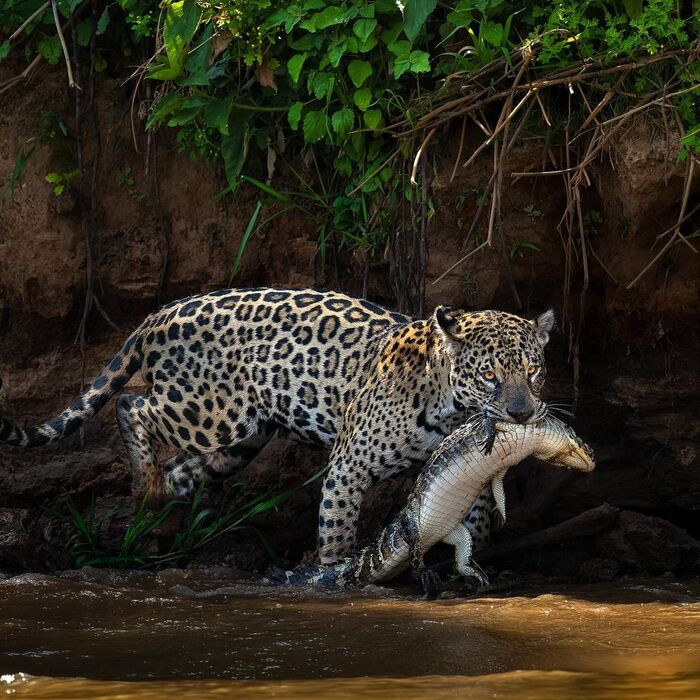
112 378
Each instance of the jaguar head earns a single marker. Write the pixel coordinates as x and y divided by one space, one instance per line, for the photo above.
496 362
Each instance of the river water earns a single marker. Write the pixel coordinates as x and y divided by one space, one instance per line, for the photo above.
98 634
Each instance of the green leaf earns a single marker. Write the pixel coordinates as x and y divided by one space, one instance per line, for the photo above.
294 114
244 241
314 126
54 177
50 49
401 65
359 71
83 33
390 35
204 79
373 117
181 22
367 45
321 84
362 98
306 42
279 196
343 165
335 53
295 64
234 149
367 10
275 19
184 116
343 121
400 48
4 49
165 106
328 17
216 114
415 13
364 28
164 71
198 61
491 32
420 62
462 15
103 22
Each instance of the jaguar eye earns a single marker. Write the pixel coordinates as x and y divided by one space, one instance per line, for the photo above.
532 369
489 376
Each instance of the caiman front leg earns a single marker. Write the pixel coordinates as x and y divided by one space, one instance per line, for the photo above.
461 539
490 434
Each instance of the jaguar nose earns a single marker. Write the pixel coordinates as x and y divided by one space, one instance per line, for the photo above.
520 416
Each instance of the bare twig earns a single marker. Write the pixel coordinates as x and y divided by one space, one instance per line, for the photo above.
419 153
374 172
8 84
677 235
59 30
459 149
28 21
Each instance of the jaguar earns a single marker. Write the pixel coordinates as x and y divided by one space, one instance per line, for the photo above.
225 370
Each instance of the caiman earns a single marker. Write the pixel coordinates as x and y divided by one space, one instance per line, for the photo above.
447 487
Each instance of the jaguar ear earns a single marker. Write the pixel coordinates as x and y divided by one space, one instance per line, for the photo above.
444 322
543 326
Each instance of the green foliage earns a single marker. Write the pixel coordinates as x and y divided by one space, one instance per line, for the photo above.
202 525
60 180
519 249
690 143
20 165
239 79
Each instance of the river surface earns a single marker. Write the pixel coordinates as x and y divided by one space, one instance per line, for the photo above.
189 634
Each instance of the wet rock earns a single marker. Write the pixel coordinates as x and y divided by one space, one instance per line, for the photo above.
15 543
599 570
54 474
642 543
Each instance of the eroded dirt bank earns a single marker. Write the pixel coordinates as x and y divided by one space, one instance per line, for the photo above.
162 235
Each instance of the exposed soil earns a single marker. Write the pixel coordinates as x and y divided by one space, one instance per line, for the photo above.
167 236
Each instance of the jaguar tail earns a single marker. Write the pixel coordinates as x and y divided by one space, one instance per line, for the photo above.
112 378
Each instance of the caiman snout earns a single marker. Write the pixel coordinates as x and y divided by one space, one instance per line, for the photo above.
579 457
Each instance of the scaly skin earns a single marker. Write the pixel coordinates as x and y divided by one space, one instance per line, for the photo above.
444 492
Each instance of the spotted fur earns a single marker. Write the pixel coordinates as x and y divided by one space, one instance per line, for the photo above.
226 369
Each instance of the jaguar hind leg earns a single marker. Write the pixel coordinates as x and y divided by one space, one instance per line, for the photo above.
186 471
146 478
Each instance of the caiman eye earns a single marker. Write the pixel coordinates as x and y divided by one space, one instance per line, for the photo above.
489 376
532 370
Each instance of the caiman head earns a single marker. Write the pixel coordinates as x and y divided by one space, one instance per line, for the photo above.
497 365
565 448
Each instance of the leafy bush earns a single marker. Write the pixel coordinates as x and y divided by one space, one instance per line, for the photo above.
246 82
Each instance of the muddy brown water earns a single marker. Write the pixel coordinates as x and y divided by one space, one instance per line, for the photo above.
202 634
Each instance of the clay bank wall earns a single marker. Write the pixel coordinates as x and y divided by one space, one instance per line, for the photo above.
625 360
